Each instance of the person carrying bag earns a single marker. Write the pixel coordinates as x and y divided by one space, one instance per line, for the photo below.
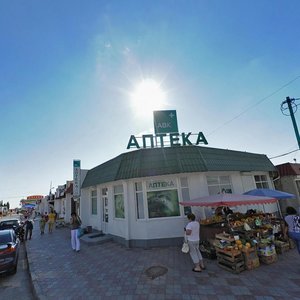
192 232
185 247
75 227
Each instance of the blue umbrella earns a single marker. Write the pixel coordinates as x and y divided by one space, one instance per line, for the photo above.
270 193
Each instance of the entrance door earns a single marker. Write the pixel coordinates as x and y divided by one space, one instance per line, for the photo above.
104 196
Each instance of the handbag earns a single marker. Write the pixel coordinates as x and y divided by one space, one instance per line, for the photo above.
185 247
80 232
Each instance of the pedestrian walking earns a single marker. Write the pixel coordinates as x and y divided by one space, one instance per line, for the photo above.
42 224
75 225
46 217
28 228
292 221
192 231
51 221
56 216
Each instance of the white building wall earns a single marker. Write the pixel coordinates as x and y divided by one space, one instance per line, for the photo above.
85 215
58 205
131 228
67 215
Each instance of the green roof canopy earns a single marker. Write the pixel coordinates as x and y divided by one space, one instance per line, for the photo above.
174 160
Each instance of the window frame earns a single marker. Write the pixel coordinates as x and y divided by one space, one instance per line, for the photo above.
119 195
221 186
138 201
261 184
94 207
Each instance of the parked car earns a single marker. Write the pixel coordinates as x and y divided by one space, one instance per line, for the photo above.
10 224
9 251
14 224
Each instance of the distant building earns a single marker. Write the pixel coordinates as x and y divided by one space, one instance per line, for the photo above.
289 181
135 196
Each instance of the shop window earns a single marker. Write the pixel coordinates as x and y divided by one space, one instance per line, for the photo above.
119 202
219 184
139 198
94 202
261 181
162 198
185 194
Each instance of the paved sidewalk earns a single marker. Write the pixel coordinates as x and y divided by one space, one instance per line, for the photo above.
110 271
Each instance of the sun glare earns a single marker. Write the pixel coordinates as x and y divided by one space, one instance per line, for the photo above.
148 96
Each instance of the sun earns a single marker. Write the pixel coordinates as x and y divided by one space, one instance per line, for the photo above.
147 97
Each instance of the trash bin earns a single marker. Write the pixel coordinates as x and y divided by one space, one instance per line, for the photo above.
89 229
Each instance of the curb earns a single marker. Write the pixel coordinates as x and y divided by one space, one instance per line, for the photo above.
36 291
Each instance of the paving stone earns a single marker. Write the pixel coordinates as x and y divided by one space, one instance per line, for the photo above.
111 271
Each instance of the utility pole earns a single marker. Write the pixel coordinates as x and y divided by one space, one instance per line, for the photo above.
291 106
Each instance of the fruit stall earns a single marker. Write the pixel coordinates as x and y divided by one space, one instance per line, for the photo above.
250 240
242 241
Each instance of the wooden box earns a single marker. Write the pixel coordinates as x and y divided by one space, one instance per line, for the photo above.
232 255
232 261
282 247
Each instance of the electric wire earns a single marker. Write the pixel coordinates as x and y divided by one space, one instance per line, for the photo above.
255 104
284 154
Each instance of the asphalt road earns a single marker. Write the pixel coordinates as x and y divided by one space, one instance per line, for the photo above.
17 286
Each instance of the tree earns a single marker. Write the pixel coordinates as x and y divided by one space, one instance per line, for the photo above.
7 205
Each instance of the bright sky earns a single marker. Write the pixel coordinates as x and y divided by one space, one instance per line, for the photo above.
69 69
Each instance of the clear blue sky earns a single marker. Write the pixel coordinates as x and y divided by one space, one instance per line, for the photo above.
68 68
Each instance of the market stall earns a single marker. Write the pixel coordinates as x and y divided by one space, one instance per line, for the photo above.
240 240
279 195
217 221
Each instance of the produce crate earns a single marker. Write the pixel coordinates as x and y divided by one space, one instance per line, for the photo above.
249 253
236 268
252 263
282 247
251 258
266 250
225 236
231 256
232 261
207 249
268 259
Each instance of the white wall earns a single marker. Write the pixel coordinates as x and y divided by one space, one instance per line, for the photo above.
131 228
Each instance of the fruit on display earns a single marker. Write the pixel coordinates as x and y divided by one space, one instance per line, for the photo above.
212 220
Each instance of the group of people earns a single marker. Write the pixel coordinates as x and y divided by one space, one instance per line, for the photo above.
49 219
192 233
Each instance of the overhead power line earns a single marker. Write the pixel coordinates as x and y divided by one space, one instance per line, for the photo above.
255 104
284 154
